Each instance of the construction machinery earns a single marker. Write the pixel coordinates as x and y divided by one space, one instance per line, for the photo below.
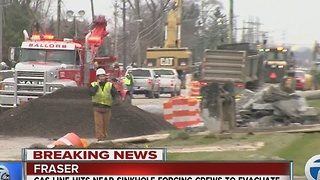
225 72
278 63
47 64
237 63
172 54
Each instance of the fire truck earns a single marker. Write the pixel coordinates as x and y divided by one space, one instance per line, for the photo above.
47 64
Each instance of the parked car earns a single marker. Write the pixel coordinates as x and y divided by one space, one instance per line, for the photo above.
303 80
169 81
145 82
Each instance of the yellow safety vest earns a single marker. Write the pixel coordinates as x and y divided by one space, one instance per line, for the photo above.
103 96
127 81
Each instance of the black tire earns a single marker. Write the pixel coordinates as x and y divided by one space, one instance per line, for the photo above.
128 99
179 93
174 93
151 94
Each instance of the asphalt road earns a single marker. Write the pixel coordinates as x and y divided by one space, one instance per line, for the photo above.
141 100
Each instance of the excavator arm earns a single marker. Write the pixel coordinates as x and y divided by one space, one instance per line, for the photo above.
173 26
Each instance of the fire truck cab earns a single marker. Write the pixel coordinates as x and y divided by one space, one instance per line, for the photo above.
47 64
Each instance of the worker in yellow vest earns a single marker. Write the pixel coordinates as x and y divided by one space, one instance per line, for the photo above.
128 81
103 93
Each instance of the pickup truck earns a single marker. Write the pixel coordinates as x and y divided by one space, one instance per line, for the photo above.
145 81
169 81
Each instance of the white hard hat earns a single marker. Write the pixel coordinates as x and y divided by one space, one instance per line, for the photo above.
100 71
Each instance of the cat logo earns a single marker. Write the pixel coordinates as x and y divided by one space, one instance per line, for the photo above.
166 61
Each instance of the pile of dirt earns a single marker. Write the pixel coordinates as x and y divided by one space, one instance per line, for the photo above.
70 110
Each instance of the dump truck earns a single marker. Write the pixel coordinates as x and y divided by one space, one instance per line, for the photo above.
225 72
237 63
278 61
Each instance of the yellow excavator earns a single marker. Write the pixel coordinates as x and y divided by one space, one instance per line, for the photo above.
171 55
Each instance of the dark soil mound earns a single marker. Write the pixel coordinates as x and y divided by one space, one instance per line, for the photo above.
69 93
70 110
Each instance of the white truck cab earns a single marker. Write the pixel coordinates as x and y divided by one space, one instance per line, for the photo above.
40 71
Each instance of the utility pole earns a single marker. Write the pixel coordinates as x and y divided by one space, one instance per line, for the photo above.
231 22
115 28
124 35
139 48
92 10
258 24
58 18
1 27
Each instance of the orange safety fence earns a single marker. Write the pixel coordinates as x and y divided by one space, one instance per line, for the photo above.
182 112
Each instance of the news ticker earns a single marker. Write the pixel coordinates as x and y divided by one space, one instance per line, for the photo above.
87 164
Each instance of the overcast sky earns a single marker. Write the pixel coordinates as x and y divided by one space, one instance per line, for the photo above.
293 21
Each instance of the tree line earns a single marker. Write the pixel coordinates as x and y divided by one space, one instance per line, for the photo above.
204 25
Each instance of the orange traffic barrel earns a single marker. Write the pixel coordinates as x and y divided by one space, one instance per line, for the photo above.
168 111
70 139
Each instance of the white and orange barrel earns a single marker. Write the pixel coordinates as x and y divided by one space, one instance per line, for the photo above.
70 139
194 112
195 88
167 111
181 115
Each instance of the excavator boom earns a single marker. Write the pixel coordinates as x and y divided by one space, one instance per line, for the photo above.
173 26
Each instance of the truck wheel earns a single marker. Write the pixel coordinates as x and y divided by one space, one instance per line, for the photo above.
128 99
174 93
179 93
151 94
157 95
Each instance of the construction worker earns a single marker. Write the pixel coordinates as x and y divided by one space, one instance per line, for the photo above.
128 81
103 93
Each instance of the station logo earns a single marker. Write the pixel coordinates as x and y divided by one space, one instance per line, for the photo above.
4 173
312 168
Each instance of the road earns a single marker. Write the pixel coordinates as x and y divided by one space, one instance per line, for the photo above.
11 146
141 100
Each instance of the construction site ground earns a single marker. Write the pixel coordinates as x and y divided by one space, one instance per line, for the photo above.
11 146
241 145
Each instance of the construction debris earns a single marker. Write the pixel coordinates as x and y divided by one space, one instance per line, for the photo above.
70 110
270 107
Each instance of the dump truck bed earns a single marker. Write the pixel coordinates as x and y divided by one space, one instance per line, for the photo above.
229 65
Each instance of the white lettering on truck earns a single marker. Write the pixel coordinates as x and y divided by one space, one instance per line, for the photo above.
42 45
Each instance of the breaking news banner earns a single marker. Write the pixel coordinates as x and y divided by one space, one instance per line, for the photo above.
11 170
159 170
94 155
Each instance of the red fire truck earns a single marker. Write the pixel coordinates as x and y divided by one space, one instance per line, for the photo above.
47 64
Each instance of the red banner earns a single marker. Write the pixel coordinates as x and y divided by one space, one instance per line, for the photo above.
162 168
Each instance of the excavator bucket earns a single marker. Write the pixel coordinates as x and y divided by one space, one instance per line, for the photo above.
218 108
